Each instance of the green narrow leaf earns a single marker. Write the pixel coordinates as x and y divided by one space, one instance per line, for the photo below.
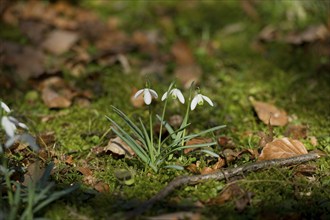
176 167
211 153
130 123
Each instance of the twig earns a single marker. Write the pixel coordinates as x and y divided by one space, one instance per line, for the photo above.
220 175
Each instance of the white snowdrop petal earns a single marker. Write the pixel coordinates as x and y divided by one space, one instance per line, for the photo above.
22 125
147 97
8 126
5 107
164 96
180 96
208 100
153 93
138 93
194 103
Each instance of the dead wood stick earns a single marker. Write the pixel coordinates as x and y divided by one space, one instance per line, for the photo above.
220 175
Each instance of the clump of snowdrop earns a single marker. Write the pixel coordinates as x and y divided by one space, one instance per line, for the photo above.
155 154
10 124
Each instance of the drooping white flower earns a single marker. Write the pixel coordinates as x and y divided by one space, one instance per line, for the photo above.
8 126
147 95
5 107
199 99
175 93
17 123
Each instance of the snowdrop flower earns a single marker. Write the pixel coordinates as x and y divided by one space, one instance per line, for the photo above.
199 99
147 95
175 93
5 107
8 126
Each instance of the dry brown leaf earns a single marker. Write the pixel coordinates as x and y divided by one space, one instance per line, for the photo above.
192 168
60 41
313 141
118 147
311 34
296 131
182 54
187 74
177 216
269 113
282 148
207 170
102 187
233 192
54 100
85 171
196 141
226 142
230 155
136 102
28 61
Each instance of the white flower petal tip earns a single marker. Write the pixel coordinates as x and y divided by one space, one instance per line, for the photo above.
175 93
199 99
8 126
5 107
147 95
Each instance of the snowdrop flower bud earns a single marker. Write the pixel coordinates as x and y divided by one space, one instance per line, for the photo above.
4 107
147 95
199 99
175 93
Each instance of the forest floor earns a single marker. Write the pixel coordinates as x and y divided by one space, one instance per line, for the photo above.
63 66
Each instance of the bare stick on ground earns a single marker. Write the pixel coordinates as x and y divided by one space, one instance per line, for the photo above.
221 175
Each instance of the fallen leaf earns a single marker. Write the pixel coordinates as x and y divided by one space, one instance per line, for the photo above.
187 74
207 170
309 35
226 142
182 54
195 141
313 141
229 155
69 160
269 113
136 102
60 41
177 216
296 131
85 171
28 61
54 100
233 192
249 7
102 187
192 168
282 148
118 147
306 169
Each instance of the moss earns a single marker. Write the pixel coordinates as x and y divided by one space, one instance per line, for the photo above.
284 75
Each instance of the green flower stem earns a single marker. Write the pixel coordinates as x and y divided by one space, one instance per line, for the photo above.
151 145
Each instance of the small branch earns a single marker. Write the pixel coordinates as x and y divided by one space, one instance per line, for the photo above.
220 175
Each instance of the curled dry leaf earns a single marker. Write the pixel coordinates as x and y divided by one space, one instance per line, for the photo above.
269 113
118 147
282 148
